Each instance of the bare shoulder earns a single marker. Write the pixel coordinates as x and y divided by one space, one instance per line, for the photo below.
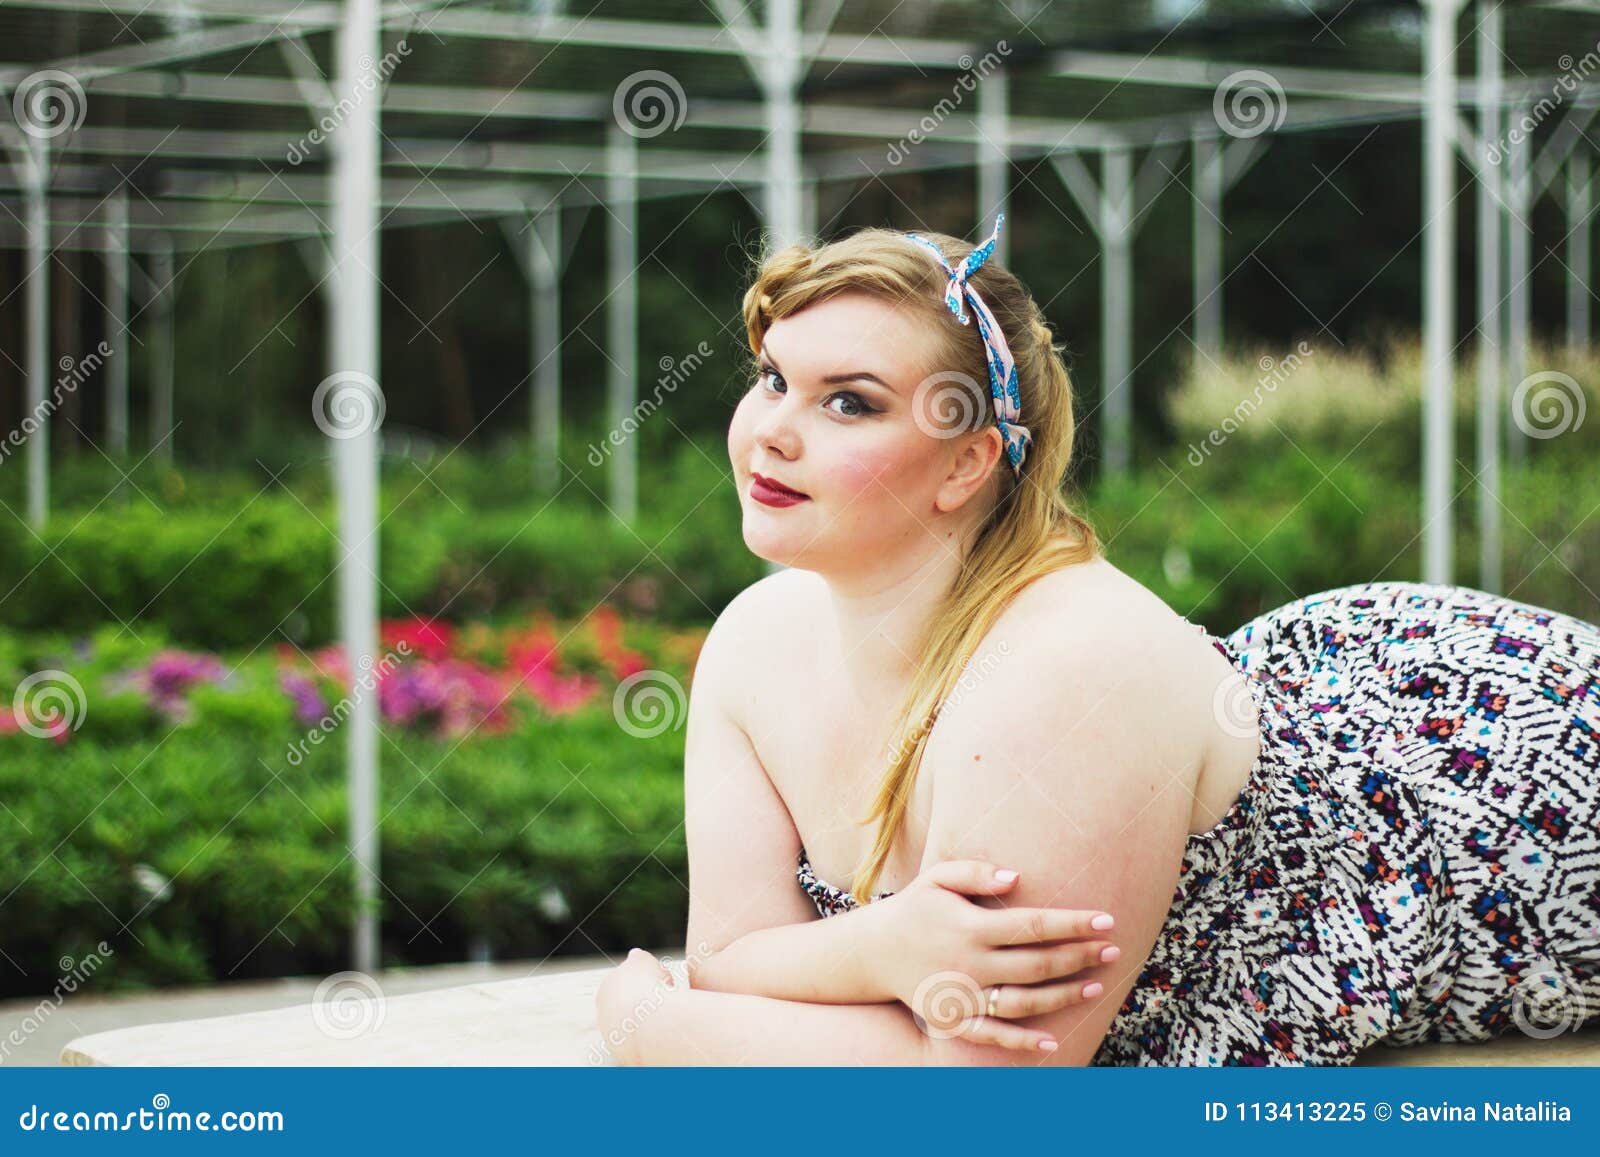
1095 612
758 623
1090 650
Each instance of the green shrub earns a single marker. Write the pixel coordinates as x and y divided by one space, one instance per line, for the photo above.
562 836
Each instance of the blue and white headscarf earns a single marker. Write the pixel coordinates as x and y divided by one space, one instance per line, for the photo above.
1002 367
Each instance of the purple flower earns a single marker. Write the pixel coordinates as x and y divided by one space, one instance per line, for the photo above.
309 705
167 678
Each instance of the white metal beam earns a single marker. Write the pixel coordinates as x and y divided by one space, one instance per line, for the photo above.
356 377
1491 277
1579 198
1518 203
1114 207
163 314
622 323
780 70
535 243
1206 73
994 157
37 167
117 337
1438 245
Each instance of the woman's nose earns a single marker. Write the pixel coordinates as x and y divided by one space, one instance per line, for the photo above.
775 428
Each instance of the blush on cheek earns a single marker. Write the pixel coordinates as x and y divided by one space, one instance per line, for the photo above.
858 472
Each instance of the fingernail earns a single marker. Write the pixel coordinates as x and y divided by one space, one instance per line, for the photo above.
1110 953
1004 875
1093 989
1048 1046
1102 921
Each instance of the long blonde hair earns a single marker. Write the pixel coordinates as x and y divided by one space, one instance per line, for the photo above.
1032 528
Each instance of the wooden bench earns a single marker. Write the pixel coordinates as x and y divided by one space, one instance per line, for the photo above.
549 1020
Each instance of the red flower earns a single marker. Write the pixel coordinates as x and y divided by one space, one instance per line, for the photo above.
429 638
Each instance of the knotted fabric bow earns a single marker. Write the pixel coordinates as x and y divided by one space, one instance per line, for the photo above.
1002 367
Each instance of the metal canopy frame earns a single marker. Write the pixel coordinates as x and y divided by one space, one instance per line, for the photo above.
189 189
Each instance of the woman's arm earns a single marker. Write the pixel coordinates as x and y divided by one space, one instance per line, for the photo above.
1083 789
647 1022
751 927
1088 800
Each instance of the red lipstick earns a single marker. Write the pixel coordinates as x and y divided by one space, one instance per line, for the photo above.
770 493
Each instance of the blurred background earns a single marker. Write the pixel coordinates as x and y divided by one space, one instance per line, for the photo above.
411 332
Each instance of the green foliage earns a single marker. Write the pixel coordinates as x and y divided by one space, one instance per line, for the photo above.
465 540
205 854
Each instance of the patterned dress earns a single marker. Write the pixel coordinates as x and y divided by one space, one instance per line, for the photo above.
1415 856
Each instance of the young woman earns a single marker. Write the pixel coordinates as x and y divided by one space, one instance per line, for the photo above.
1371 815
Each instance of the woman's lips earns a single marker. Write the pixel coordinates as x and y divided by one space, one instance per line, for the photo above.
769 495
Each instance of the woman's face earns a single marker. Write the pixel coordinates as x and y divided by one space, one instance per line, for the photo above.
845 410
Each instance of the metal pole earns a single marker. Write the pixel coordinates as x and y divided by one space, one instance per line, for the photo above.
1579 240
1116 295
622 320
38 296
1438 245
994 163
355 253
163 344
1519 227
1490 244
781 70
544 354
1208 190
116 259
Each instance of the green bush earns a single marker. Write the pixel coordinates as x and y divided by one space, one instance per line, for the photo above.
559 837
262 571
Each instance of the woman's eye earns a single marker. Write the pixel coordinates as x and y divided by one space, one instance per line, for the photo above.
858 406
855 400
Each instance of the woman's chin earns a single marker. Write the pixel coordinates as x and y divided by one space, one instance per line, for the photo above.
777 546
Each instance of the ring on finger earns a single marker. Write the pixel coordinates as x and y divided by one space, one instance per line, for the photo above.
994 1001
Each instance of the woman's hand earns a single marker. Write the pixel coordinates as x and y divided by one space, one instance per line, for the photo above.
942 955
627 996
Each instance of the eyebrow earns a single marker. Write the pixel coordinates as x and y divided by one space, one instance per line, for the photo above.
837 379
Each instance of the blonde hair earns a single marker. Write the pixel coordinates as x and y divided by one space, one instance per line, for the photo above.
1032 528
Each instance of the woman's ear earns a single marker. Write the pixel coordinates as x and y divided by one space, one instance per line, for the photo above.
973 465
